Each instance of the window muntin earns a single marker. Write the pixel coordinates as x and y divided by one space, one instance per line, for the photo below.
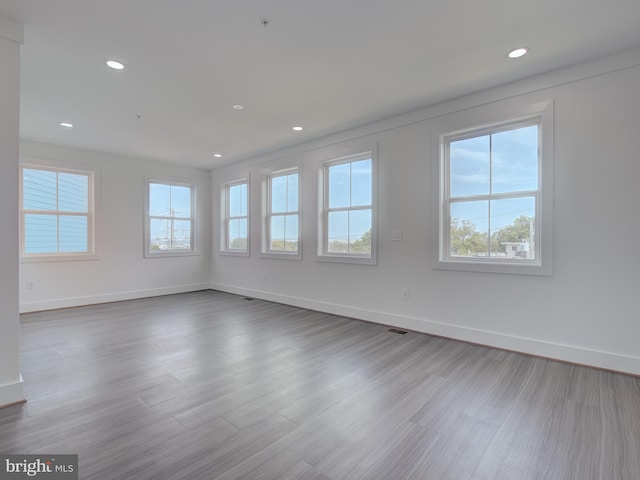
171 220
492 193
348 207
282 225
236 217
56 212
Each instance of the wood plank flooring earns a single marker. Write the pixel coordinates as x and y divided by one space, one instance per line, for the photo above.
209 385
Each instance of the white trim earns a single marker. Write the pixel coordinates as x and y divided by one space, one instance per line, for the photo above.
12 393
59 257
53 304
344 153
482 119
279 169
93 215
557 351
224 225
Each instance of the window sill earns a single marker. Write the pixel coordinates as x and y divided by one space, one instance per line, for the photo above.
353 259
282 255
58 257
511 268
187 253
234 253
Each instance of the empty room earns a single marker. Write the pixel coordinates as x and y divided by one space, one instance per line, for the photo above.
319 240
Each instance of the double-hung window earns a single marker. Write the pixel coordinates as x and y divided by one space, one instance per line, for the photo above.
348 214
282 219
235 214
56 212
170 219
495 196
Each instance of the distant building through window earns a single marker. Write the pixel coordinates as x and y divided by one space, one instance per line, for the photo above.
57 212
492 190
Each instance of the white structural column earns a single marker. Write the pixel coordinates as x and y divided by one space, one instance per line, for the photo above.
11 37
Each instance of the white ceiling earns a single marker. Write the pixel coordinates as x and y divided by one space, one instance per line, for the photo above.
326 65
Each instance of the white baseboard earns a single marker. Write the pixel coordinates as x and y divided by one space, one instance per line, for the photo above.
11 393
27 307
540 348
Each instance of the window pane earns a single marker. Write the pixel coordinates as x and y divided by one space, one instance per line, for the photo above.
277 232
180 201
238 200
41 233
38 189
181 235
238 234
279 194
361 183
468 231
73 192
291 233
512 225
292 192
469 166
514 160
338 232
284 233
159 200
339 185
360 232
73 234
160 235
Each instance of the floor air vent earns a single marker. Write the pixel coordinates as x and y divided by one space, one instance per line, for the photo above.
395 330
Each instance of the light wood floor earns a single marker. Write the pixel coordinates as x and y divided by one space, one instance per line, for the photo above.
209 385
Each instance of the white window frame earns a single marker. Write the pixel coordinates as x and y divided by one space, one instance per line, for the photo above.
148 252
344 154
268 176
60 167
483 120
226 218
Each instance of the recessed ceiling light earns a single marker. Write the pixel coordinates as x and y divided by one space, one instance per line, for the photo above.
217 155
115 64
66 124
237 106
297 129
518 52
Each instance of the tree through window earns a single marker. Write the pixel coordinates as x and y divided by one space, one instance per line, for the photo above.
492 193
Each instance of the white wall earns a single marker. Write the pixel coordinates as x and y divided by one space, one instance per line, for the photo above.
586 312
10 381
121 272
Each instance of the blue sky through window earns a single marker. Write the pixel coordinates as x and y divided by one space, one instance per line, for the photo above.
237 213
238 200
350 185
500 163
284 205
173 202
169 200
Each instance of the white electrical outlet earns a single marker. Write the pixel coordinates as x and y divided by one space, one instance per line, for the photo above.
30 284
405 293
